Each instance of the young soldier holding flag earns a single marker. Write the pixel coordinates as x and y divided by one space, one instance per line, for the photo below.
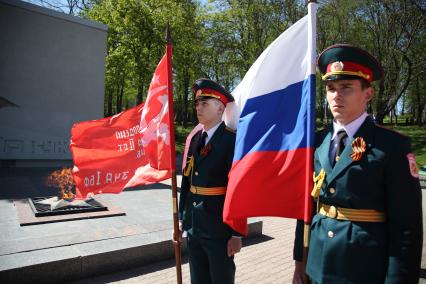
211 243
368 226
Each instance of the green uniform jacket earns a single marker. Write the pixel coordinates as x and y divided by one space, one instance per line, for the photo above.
201 214
364 252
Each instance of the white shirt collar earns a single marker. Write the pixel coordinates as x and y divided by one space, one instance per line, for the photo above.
211 131
350 128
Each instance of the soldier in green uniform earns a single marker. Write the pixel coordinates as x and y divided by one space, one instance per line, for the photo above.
211 243
368 222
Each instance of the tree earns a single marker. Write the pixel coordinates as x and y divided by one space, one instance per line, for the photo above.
222 40
136 31
239 31
188 51
393 27
392 30
71 7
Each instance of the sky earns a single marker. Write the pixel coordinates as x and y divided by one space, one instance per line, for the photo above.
64 3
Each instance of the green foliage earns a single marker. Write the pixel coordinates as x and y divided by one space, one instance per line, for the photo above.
180 136
223 38
237 32
393 31
136 43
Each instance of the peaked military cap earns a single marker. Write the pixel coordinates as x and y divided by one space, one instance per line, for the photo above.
345 61
206 88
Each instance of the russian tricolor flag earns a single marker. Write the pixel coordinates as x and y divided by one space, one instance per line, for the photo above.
274 112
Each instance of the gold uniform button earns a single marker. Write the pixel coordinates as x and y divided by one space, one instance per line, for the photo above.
332 212
194 203
330 234
332 190
196 173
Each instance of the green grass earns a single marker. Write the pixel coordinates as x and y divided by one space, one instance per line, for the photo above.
416 133
180 136
418 140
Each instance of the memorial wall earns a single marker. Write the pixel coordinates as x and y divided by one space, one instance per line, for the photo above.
52 74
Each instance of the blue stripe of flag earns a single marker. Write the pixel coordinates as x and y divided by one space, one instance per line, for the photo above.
278 121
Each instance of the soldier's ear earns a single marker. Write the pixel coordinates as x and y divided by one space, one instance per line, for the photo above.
369 93
221 106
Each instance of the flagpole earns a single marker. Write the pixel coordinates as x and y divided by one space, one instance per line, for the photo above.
311 116
177 244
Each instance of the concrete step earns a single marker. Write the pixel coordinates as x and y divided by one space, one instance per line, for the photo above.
66 263
58 252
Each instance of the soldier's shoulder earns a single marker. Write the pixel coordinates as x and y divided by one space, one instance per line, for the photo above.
229 136
319 134
391 140
389 133
230 130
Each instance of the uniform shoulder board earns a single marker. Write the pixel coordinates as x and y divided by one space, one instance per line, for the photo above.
230 129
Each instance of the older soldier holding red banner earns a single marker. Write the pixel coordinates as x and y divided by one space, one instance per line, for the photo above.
211 243
368 226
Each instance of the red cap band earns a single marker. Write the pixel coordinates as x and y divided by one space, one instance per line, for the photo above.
349 68
213 94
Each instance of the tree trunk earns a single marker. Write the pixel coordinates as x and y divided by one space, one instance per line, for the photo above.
396 117
139 96
420 106
403 104
185 99
177 103
380 104
109 102
120 93
119 99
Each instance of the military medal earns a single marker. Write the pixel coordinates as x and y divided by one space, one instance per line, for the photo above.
205 150
318 181
358 148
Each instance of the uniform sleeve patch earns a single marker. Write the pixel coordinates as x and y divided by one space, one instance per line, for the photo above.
413 165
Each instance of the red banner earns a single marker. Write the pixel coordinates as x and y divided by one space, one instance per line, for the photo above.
128 149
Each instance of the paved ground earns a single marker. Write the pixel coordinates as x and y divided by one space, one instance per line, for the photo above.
268 259
70 250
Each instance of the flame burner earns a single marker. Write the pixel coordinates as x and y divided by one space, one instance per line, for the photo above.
49 206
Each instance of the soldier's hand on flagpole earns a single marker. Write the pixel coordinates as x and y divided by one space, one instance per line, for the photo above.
299 272
177 236
234 245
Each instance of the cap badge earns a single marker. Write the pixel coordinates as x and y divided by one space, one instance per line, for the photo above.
336 66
